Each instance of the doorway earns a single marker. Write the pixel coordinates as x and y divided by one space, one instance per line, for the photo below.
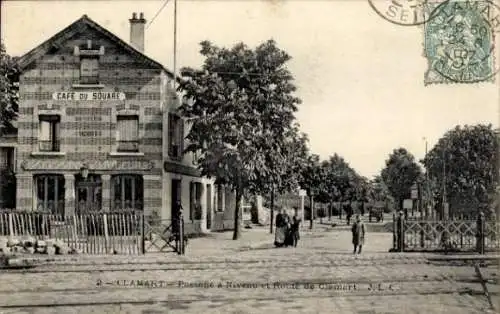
88 194
209 206
175 196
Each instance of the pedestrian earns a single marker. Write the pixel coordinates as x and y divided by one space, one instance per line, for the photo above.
348 213
358 234
294 230
279 233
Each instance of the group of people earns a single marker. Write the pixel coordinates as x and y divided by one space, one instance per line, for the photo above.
287 230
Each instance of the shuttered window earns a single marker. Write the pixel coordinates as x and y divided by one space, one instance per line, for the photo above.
175 136
128 133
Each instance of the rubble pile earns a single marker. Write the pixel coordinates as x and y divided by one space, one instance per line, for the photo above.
30 245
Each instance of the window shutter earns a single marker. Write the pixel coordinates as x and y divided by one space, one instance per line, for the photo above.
181 137
170 134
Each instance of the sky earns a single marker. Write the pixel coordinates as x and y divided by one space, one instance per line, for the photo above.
360 77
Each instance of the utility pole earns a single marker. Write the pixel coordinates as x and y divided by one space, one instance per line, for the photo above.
175 49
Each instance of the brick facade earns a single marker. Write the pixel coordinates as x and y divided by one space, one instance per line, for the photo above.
88 134
88 128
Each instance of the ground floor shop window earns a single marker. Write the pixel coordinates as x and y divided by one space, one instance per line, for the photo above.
127 192
50 193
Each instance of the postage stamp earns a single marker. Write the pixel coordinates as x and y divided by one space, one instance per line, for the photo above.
459 43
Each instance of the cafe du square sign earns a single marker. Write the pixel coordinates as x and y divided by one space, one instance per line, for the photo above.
88 96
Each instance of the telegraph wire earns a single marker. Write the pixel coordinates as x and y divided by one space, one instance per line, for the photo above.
157 13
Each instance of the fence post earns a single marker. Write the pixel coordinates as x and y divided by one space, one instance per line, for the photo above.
180 247
106 235
480 233
143 233
401 232
11 226
394 231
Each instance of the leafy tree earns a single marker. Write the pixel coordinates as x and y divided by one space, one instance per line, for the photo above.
340 180
9 91
312 181
400 173
466 160
242 114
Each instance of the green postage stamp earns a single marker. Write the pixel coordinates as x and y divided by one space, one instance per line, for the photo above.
459 42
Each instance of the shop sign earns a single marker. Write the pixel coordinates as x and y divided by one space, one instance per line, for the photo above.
88 96
97 165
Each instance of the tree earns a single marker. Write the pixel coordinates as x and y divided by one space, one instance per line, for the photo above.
312 181
340 179
400 173
241 111
9 91
464 166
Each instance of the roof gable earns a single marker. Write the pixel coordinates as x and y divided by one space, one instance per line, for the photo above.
58 40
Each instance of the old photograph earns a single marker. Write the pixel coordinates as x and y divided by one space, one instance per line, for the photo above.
250 156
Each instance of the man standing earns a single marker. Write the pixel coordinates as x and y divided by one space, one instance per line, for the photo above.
358 234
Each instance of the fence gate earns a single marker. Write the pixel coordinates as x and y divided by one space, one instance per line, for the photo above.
453 235
161 235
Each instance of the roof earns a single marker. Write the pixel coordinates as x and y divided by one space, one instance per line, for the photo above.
58 39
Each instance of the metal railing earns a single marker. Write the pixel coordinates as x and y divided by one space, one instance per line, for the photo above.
128 146
49 146
468 234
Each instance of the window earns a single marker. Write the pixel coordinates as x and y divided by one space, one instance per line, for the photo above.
89 71
50 193
127 192
175 136
128 133
48 133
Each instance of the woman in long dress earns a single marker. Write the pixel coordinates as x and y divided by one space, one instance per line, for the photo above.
280 232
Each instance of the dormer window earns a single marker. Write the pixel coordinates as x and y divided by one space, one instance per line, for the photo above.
89 54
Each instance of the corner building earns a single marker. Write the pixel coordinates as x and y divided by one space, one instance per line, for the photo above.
97 131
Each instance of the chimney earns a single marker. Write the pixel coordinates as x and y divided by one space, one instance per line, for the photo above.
137 31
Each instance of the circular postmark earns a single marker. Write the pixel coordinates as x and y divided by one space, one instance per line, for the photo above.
460 42
407 12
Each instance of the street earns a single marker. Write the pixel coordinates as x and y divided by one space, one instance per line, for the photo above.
219 275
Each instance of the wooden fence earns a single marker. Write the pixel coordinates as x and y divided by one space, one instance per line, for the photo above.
91 233
459 234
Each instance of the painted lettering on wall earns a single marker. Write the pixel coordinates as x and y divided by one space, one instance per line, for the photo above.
88 96
95 165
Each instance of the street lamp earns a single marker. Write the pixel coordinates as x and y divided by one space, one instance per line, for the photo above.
84 171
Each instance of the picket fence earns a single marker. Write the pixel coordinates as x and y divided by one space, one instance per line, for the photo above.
123 232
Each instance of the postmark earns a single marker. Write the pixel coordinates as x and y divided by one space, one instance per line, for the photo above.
407 12
459 43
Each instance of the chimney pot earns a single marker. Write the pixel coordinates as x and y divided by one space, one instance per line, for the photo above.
137 27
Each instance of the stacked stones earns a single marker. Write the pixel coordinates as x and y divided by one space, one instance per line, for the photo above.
29 245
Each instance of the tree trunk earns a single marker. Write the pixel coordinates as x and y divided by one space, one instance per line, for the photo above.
271 218
311 217
237 215
330 209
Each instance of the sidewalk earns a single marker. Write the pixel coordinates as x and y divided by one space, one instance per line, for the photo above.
256 245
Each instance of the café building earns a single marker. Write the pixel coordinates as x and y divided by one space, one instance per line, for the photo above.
97 130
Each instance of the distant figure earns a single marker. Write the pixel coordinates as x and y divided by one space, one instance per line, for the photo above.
294 231
358 234
280 232
348 209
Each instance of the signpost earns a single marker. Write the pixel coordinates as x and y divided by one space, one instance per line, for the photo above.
302 194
